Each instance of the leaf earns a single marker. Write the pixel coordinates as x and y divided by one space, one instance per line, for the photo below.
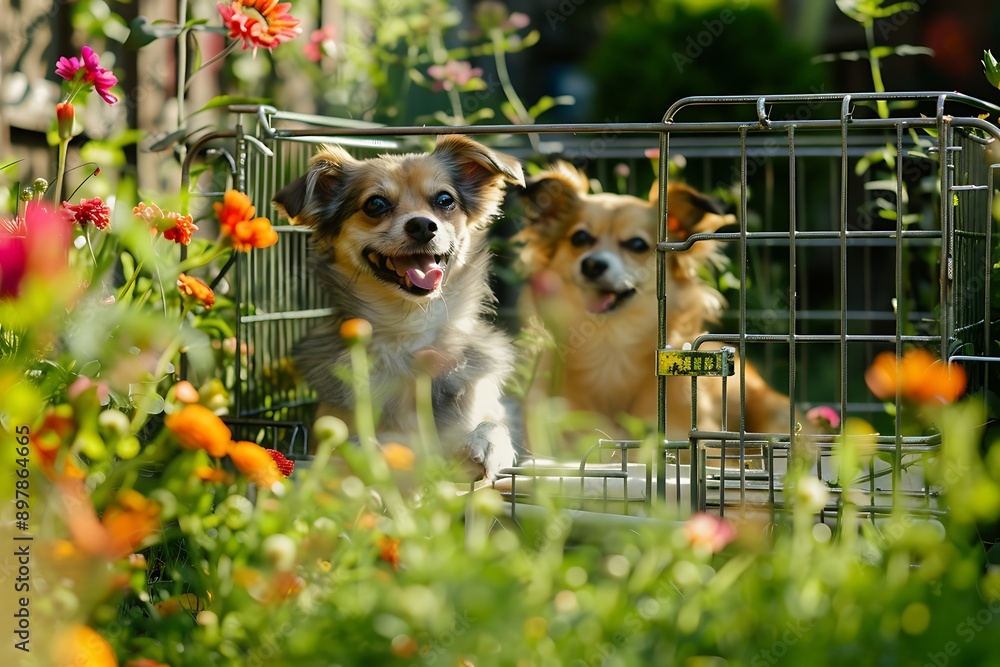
145 398
144 32
167 141
485 113
507 109
546 102
991 69
227 100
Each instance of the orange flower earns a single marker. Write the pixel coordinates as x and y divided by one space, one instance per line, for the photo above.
399 457
57 427
210 474
920 376
281 587
81 646
356 329
253 461
196 289
388 550
236 218
176 227
124 526
185 392
186 601
197 427
259 23
130 521
182 230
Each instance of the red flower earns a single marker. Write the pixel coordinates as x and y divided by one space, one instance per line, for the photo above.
90 210
35 245
284 465
92 73
265 23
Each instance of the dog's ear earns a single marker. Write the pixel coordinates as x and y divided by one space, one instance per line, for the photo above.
690 211
476 162
303 200
552 201
479 174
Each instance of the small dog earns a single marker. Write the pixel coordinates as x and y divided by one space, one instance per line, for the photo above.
400 241
590 262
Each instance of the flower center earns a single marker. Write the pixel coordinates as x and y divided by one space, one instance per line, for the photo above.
252 13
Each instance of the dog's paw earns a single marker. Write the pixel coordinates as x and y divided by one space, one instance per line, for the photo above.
488 449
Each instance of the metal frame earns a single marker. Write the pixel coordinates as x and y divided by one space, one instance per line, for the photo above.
270 147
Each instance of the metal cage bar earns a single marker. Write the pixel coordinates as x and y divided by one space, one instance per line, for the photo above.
278 302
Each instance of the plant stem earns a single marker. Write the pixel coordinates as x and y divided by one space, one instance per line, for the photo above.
218 56
876 68
61 169
500 58
181 73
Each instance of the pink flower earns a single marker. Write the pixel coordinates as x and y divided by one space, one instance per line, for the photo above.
90 210
825 417
265 23
320 42
706 532
92 73
35 245
454 72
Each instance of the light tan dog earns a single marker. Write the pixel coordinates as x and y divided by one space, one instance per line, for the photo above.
400 241
590 261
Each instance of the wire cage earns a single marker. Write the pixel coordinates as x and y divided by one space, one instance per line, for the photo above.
856 234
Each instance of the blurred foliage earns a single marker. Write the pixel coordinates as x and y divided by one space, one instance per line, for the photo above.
654 54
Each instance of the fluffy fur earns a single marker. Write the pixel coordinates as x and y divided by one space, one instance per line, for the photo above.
590 261
400 241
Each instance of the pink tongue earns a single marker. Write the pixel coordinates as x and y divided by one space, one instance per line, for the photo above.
429 280
602 304
422 271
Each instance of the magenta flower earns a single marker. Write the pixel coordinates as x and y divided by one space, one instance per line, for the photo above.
90 210
452 73
88 70
34 245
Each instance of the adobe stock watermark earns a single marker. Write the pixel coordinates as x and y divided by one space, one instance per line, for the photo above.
696 44
791 635
966 630
562 13
892 23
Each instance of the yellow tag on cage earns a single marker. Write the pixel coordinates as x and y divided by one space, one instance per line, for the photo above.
700 363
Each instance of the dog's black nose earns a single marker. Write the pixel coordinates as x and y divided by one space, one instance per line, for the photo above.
593 268
420 230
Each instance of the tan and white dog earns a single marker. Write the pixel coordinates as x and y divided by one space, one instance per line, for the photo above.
400 241
590 263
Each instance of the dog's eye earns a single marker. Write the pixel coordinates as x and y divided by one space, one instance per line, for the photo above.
376 206
635 244
444 200
581 238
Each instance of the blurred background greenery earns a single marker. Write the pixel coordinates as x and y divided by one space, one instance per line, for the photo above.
619 60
